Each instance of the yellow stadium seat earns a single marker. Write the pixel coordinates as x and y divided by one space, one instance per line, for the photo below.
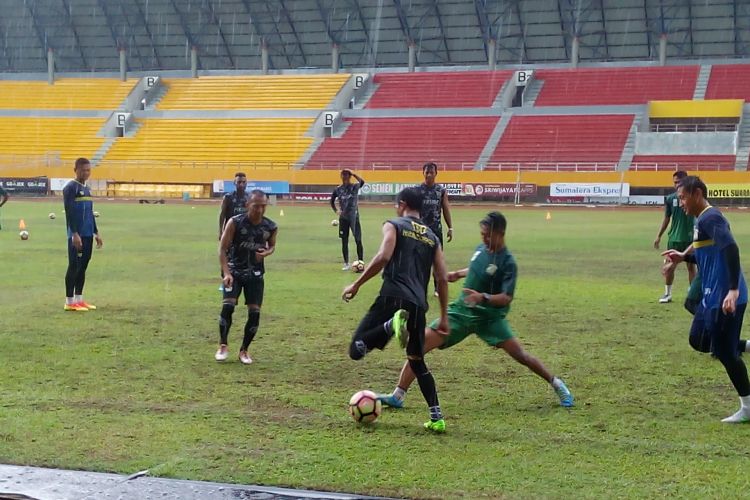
66 93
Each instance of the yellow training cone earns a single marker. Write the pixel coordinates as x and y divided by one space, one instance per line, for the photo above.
549 216
21 225
281 214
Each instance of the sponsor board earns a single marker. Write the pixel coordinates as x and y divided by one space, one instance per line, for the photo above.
310 196
499 190
34 185
728 190
268 187
599 190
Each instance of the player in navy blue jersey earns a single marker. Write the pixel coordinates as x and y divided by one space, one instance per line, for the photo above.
247 241
82 232
717 323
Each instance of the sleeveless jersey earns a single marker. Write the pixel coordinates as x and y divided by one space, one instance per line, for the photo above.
248 238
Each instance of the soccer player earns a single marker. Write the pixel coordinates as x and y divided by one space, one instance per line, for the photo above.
248 239
407 253
82 231
4 195
435 205
680 234
481 309
717 323
348 213
234 203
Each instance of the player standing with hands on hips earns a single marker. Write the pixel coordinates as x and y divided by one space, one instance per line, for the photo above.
82 231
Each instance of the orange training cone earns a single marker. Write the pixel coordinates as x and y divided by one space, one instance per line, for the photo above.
21 225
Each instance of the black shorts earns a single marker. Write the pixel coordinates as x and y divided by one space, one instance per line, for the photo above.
438 230
382 310
716 332
251 286
345 225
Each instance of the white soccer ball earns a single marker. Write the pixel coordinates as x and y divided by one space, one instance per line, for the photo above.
52 215
365 407
24 235
96 214
358 266
335 222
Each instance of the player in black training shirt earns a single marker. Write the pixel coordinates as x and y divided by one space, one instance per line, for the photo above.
247 240
435 205
348 213
234 203
408 252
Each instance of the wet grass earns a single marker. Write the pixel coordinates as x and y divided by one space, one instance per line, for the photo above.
134 386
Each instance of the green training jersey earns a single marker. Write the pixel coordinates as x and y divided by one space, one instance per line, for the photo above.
681 228
491 272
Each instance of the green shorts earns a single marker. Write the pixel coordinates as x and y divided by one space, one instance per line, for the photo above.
680 246
464 322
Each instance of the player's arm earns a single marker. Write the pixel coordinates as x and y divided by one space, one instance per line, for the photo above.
378 262
69 202
333 201
447 214
224 214
5 198
662 228
730 254
226 241
454 276
501 299
97 236
359 179
270 246
441 276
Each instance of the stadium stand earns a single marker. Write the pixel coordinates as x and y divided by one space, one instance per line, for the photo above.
252 92
729 81
683 162
585 142
466 89
453 143
65 94
602 86
260 142
68 138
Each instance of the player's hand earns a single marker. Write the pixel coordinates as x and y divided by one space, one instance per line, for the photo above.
99 242
472 297
443 327
729 306
228 281
453 276
77 243
450 234
262 254
656 242
350 292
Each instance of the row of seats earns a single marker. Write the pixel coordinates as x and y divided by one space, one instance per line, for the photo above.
65 94
68 138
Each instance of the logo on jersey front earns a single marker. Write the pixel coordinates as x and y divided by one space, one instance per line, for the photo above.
491 269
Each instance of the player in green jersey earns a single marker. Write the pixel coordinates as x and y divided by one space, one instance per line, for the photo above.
680 234
481 309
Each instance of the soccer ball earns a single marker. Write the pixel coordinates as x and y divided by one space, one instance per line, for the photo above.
335 222
52 215
24 235
365 407
96 214
358 266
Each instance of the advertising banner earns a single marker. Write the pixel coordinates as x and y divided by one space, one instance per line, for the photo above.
310 196
492 191
34 185
268 187
728 190
598 190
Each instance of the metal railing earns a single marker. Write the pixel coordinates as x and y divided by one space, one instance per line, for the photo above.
552 166
693 127
650 166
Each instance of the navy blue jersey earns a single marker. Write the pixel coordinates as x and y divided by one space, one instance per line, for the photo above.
710 236
248 238
79 209
237 202
408 272
348 202
432 205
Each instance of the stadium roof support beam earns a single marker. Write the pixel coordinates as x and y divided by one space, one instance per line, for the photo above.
209 7
288 18
120 44
741 11
5 50
188 34
368 40
262 34
69 20
41 34
490 30
442 29
145 27
403 21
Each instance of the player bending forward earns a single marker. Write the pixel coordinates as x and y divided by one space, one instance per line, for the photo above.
482 308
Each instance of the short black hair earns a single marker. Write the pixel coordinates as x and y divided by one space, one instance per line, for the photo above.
429 165
346 171
260 192
680 174
495 221
81 162
691 183
412 196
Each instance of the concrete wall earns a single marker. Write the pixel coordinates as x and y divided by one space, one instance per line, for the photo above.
686 143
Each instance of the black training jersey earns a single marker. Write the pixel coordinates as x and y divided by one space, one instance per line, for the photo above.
238 202
432 205
248 238
408 272
347 195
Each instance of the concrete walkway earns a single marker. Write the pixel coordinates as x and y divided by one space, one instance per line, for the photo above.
19 482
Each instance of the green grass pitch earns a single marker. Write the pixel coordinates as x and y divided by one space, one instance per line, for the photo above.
134 386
